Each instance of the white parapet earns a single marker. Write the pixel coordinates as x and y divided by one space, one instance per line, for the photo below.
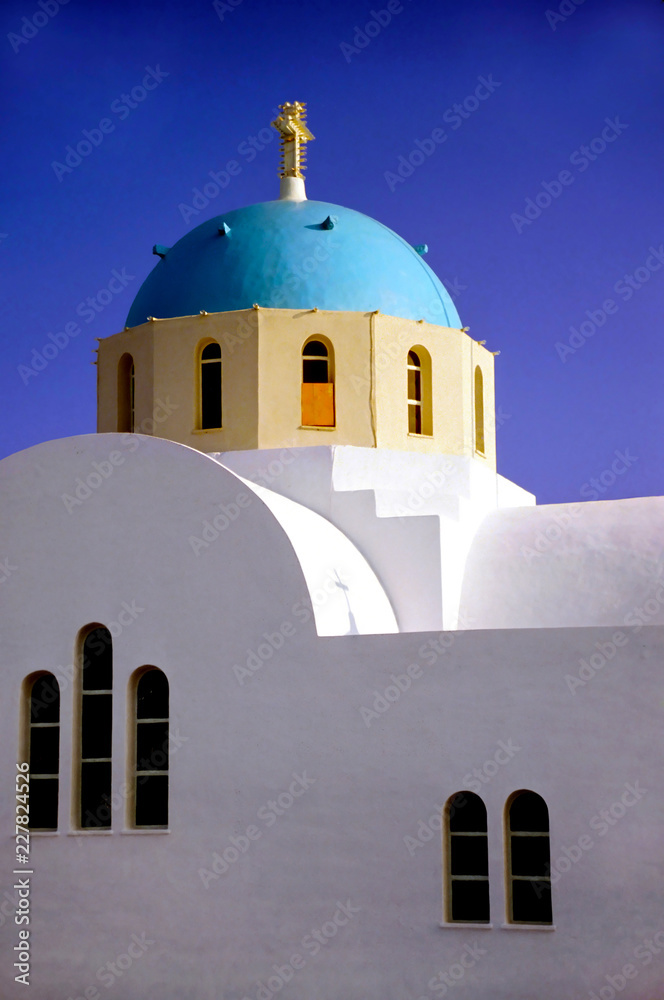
412 516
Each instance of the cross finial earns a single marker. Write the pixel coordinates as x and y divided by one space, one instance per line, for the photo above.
291 125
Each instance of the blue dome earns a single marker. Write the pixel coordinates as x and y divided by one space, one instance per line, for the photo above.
281 254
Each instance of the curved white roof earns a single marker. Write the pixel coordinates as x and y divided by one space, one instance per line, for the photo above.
567 565
149 517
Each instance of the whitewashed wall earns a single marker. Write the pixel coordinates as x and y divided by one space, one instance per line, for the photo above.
317 708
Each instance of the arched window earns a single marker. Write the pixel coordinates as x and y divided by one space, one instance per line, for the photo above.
419 391
151 750
479 411
126 394
315 363
44 752
528 855
317 385
467 895
414 394
96 716
210 387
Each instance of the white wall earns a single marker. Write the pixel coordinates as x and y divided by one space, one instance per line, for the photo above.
241 743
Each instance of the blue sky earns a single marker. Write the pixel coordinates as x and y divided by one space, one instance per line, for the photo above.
541 208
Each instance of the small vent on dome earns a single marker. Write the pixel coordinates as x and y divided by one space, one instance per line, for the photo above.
420 248
328 223
224 230
159 250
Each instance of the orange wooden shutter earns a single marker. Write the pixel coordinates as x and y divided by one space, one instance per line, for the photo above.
318 404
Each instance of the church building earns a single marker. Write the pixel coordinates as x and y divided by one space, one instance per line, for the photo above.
302 698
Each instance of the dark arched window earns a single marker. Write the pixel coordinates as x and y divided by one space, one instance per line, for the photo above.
529 867
44 752
210 387
419 391
317 385
151 757
479 411
126 393
414 394
96 728
467 859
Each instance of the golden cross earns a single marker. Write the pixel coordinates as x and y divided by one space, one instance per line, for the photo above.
291 125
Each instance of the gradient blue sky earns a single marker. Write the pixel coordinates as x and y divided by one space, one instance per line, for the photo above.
60 239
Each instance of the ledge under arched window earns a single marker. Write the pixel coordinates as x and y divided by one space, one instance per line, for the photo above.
95 730
209 417
151 745
528 859
467 859
43 750
419 391
126 394
317 384
479 411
